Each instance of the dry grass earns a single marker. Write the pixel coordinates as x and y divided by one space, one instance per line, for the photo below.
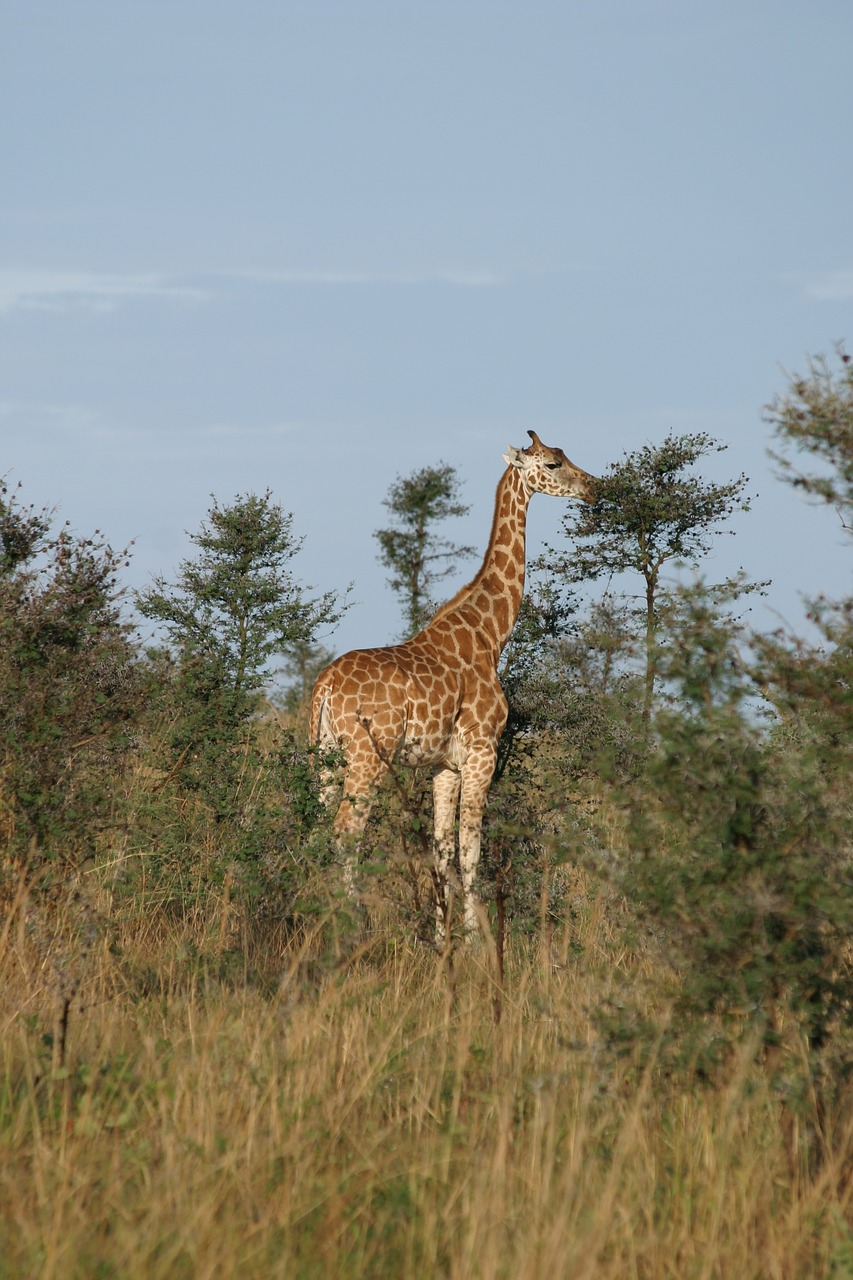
371 1119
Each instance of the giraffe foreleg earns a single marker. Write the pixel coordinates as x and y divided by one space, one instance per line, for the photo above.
445 798
476 778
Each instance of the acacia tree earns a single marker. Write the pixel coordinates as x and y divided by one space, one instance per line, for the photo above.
650 510
416 556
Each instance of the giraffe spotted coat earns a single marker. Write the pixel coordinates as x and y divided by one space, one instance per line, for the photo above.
435 701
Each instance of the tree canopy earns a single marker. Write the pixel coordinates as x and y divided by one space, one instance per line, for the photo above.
416 555
236 604
651 509
815 417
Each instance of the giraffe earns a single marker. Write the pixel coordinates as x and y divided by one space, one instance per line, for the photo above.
435 701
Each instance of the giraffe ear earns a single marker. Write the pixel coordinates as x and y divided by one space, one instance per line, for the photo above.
514 457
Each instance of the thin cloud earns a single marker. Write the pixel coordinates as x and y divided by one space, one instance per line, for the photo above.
835 286
25 417
459 278
93 291
42 290
93 436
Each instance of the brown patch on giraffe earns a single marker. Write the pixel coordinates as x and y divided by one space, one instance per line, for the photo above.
465 646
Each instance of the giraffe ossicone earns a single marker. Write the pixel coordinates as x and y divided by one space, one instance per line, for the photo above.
435 701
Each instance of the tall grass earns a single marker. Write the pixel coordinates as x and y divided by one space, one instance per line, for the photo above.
303 1118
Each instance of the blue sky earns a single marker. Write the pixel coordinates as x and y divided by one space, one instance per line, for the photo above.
311 246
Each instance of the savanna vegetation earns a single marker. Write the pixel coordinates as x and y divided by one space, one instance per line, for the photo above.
643 1069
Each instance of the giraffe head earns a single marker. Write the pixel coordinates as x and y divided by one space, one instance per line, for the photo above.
546 470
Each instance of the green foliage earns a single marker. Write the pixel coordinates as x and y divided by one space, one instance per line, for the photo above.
740 850
651 510
577 691
236 603
235 794
233 607
23 532
739 824
571 716
70 686
255 846
815 416
810 683
412 551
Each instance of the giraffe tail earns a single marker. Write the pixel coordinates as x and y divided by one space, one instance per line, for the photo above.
322 738
319 700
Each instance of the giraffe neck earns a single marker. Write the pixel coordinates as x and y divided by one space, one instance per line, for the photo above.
491 601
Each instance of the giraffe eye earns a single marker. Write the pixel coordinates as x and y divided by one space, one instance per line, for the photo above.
553 466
